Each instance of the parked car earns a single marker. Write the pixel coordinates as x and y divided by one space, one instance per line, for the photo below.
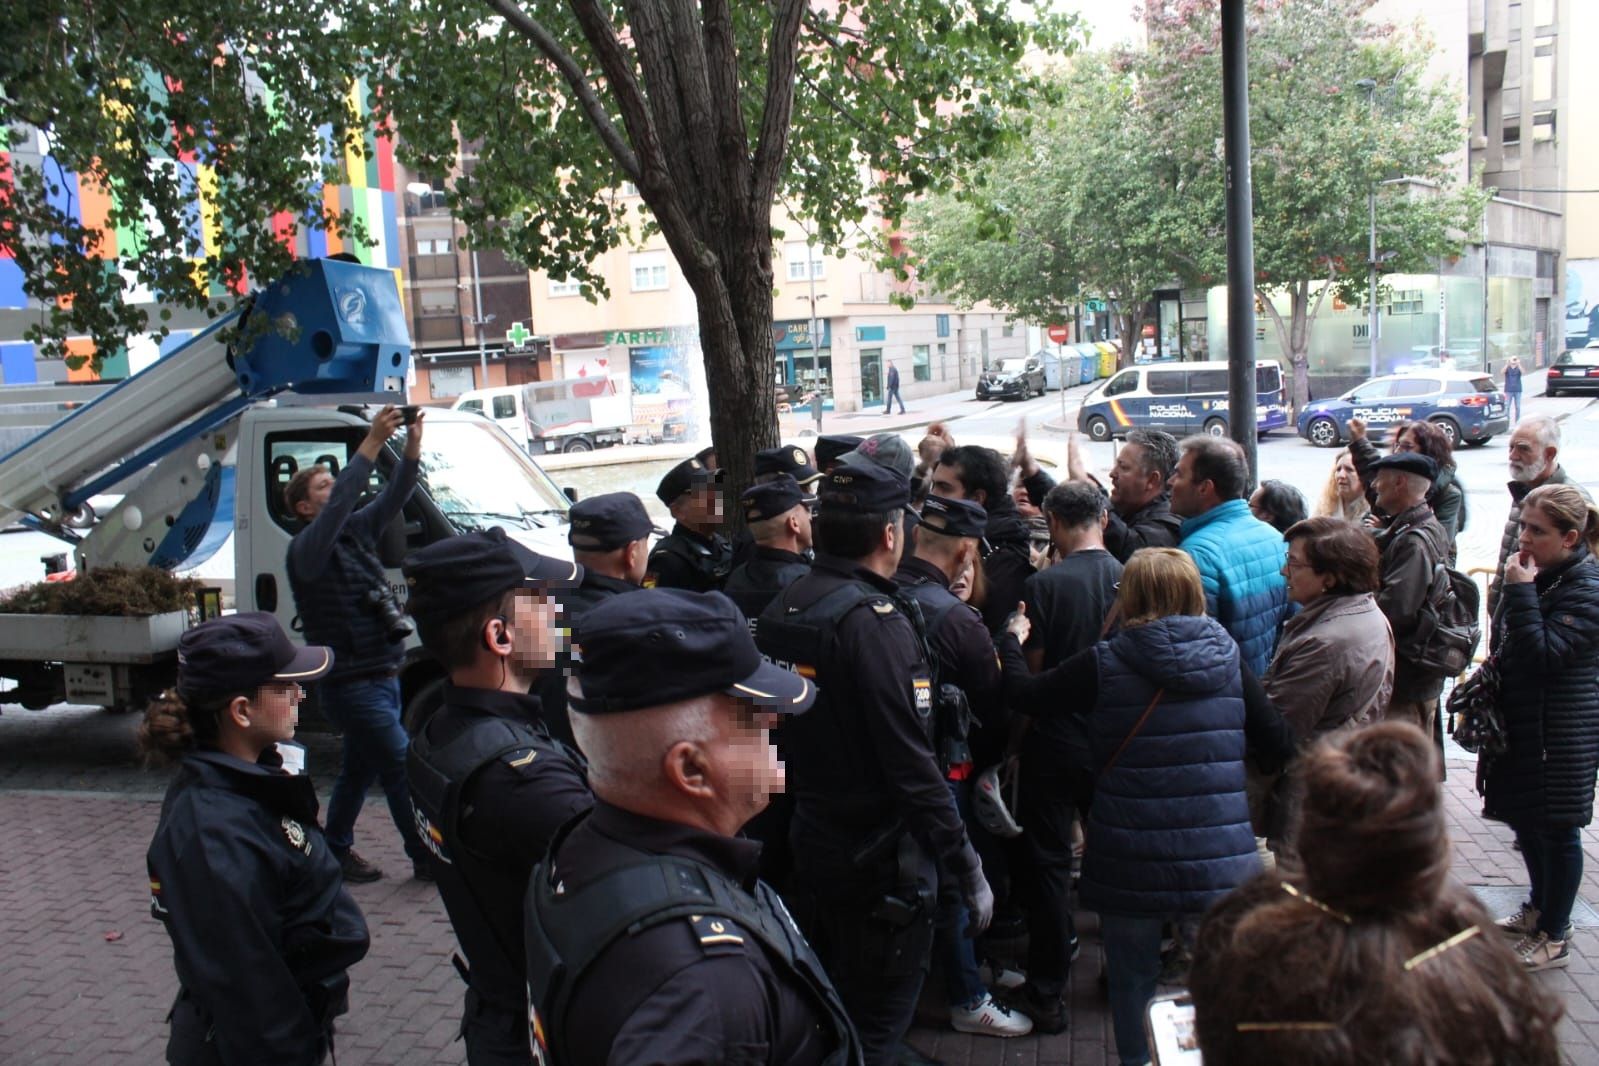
1573 369
1466 405
1015 378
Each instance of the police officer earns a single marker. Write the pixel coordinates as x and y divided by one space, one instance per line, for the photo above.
774 464
872 810
263 930
967 685
778 515
488 785
694 555
610 539
649 937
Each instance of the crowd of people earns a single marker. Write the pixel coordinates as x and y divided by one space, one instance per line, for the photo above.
731 799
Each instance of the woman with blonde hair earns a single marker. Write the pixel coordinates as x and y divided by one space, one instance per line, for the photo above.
1544 642
1343 496
1169 711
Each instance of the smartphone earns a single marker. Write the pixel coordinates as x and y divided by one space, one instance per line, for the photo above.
1169 1025
409 413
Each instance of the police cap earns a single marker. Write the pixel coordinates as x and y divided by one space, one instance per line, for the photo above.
454 575
245 651
786 459
954 518
662 646
828 449
772 498
686 475
866 489
609 521
1410 463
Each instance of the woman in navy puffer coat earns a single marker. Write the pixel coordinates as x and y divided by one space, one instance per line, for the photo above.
1165 710
1546 642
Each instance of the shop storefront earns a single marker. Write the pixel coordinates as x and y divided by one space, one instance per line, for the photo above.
797 371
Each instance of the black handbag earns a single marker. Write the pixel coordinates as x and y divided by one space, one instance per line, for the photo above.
1475 720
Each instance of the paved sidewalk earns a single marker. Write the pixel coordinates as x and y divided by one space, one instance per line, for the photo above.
87 974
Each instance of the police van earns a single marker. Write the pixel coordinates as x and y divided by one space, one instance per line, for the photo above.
1180 398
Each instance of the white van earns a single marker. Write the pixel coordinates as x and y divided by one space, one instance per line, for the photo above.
1180 398
571 415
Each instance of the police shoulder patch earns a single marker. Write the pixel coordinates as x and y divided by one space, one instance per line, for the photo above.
716 934
883 608
519 759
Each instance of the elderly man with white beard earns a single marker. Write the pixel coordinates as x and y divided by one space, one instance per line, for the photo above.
1534 446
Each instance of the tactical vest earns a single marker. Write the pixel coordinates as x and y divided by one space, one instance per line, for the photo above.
711 564
952 711
437 775
756 583
567 931
799 631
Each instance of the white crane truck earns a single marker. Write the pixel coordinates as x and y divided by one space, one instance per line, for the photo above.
200 445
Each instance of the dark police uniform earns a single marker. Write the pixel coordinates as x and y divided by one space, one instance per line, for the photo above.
263 930
872 809
752 584
490 788
653 941
600 523
830 448
774 464
685 559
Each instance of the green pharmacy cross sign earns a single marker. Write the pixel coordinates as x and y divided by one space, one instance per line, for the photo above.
518 335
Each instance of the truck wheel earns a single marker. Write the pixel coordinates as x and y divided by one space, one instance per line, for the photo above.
1216 427
578 444
1098 429
1322 432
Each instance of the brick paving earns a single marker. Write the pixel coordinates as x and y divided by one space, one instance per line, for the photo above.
86 975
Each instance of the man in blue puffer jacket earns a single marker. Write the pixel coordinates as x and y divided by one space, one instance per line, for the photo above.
1240 558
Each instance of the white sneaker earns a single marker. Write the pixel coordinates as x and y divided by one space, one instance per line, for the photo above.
990 1019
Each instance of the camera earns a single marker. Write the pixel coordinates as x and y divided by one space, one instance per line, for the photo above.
408 414
395 625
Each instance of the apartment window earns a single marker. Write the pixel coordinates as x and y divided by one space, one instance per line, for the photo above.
564 287
942 325
437 301
797 254
649 271
1008 330
436 246
628 189
1543 70
1543 125
1512 130
1406 302
921 363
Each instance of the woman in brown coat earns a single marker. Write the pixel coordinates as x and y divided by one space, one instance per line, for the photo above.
1334 665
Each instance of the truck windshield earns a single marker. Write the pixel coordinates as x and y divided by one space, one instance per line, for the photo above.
478 479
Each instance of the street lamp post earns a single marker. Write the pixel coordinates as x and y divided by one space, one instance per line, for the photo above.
816 351
1370 88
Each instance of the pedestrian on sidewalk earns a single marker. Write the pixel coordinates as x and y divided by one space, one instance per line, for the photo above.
1545 637
263 930
891 391
1513 387
1365 950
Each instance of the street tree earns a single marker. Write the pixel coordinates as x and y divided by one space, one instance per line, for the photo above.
1093 205
150 113
1319 143
710 109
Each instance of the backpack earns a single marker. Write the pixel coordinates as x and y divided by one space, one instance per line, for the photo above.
1447 630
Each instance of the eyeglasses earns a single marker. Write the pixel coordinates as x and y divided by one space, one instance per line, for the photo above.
1290 566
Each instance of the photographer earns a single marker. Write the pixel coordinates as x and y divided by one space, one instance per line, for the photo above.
342 594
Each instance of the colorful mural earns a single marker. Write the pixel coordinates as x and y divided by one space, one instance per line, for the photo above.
1582 302
367 191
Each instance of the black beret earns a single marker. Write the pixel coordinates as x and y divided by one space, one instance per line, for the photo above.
1409 462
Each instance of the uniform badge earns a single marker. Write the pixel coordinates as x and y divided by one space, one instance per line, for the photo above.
922 689
294 833
799 457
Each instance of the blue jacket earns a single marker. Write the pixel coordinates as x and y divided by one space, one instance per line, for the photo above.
1240 560
1169 830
